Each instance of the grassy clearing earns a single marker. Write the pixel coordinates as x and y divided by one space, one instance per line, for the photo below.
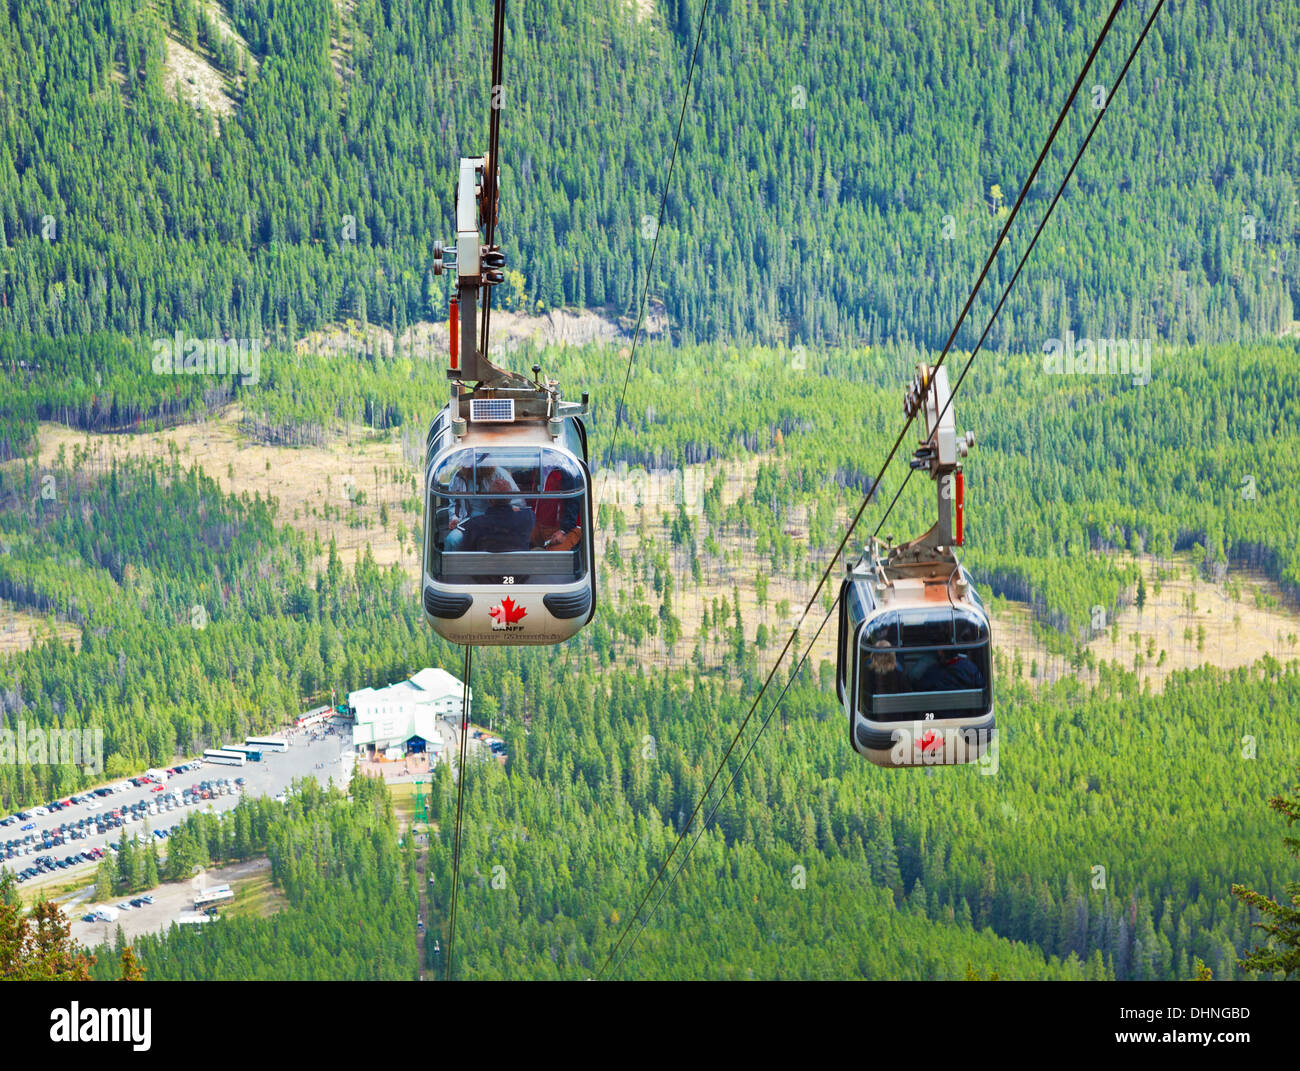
255 897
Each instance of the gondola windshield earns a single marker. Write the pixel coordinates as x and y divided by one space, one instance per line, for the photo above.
924 662
511 512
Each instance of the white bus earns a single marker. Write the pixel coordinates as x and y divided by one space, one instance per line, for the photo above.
314 717
266 743
211 896
224 757
252 754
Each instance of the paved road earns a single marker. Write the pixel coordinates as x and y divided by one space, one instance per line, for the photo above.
270 777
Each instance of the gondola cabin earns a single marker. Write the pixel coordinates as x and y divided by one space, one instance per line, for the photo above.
914 657
508 526
507 490
914 664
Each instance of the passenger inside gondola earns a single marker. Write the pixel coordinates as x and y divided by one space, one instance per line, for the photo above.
559 520
461 507
940 671
952 670
480 523
504 524
888 673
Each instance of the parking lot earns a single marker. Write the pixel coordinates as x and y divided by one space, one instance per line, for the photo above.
166 904
77 831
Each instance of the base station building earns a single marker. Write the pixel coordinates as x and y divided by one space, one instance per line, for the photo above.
403 718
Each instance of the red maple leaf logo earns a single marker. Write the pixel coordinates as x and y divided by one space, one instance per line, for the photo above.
931 739
506 613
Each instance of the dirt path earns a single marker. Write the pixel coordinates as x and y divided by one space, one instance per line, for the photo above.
421 870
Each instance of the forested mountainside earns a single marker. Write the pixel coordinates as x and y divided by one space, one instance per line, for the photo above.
1069 472
843 168
584 811
251 171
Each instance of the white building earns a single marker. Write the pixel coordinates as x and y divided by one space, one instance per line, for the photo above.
390 720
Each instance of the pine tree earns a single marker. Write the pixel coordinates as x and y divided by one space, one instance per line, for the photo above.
132 971
1282 922
37 946
105 879
151 868
124 878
